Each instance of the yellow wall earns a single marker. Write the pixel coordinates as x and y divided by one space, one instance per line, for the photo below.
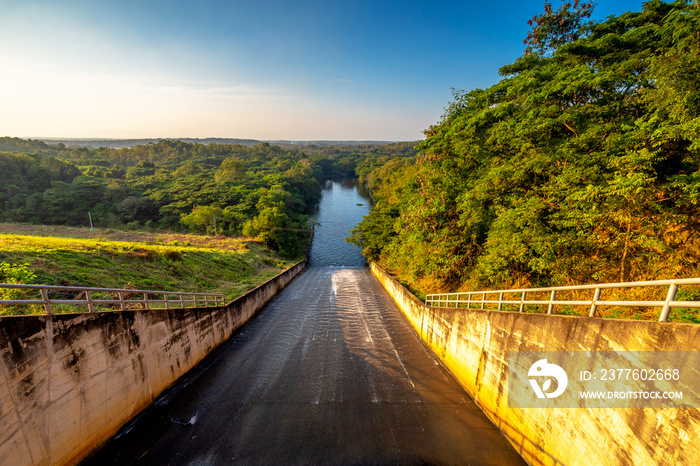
474 346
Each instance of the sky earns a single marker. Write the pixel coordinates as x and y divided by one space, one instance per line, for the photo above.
258 69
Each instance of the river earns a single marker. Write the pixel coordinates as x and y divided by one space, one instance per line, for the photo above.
329 372
340 210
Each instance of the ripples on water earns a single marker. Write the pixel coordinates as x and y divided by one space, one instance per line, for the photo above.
338 213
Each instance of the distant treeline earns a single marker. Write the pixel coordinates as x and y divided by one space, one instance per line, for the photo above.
123 143
262 191
581 165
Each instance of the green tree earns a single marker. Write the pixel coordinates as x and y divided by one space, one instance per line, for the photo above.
580 165
204 219
553 29
231 170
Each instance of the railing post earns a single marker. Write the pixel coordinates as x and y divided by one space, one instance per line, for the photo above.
469 301
182 303
522 302
47 302
552 297
167 301
500 301
91 305
594 303
666 310
122 304
146 304
483 298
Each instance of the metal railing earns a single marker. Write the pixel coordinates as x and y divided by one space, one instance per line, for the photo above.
496 297
122 299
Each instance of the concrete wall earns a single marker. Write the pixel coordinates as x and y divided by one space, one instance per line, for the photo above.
474 346
69 382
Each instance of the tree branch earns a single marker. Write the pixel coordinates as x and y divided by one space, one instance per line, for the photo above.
570 129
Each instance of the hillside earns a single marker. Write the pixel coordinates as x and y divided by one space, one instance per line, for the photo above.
119 259
579 166
262 191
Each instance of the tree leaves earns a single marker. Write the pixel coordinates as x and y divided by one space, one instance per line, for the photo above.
580 165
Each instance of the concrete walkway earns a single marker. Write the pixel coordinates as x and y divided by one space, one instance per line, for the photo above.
328 373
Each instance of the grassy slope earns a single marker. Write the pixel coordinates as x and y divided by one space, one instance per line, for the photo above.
157 261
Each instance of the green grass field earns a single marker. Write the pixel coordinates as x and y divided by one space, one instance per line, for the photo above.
118 259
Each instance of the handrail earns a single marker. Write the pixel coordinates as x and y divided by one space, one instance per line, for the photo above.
150 297
446 299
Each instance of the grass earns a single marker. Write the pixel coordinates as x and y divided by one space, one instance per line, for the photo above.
426 285
139 260
658 293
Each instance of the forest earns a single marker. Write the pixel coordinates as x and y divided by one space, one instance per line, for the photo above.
261 191
582 164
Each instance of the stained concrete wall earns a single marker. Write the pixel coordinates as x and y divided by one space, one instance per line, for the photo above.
474 346
69 382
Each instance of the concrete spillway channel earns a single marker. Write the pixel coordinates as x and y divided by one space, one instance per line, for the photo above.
328 373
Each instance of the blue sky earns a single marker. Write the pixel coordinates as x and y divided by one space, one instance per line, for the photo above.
263 69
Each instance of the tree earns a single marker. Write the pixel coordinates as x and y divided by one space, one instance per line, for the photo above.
553 29
580 165
203 219
231 170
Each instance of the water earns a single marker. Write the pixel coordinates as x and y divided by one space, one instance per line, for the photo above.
338 213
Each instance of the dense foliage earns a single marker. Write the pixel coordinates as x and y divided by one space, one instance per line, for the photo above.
262 191
582 164
251 190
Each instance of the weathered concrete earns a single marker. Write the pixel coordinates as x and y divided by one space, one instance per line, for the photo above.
474 346
69 382
330 373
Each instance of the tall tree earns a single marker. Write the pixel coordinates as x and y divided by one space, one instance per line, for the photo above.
580 165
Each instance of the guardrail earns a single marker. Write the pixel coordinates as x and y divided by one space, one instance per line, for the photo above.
478 298
149 299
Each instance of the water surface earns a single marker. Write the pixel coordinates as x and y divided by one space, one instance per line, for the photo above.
340 210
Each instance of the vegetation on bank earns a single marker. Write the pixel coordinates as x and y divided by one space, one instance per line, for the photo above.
581 165
262 191
118 259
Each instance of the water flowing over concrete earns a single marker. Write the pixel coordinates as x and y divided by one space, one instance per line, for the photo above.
474 345
68 382
329 373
